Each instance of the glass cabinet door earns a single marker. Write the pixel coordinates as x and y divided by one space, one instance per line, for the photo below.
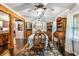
29 25
76 34
1 24
76 27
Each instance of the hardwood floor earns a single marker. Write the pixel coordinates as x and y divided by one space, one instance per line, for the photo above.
6 53
3 48
53 51
19 44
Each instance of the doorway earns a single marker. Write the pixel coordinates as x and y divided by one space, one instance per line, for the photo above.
18 34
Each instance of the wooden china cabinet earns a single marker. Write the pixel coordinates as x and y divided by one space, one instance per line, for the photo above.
28 29
49 31
60 34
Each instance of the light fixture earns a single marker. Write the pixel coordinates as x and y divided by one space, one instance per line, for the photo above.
40 5
40 11
45 4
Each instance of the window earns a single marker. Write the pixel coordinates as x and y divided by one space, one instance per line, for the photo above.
76 27
76 34
4 21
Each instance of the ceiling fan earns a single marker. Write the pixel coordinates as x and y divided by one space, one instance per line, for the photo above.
40 5
35 6
39 8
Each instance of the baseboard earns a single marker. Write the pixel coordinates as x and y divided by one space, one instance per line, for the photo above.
69 54
76 54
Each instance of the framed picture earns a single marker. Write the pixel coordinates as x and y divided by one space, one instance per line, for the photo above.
20 27
29 25
5 24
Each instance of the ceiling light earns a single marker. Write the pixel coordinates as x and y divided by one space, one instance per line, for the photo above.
40 11
45 4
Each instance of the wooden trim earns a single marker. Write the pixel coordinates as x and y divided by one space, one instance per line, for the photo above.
11 29
7 11
25 29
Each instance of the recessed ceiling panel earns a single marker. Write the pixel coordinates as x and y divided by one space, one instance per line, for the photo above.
29 9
